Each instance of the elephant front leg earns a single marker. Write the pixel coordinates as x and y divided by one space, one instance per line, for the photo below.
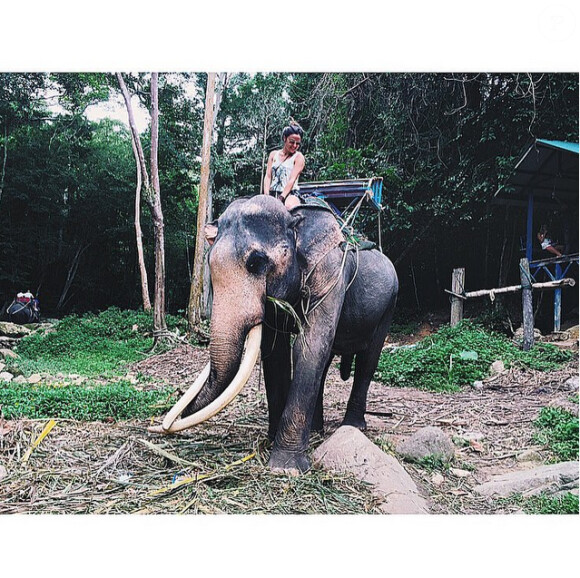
276 352
318 419
311 360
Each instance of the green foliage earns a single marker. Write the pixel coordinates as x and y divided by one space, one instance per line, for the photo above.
433 463
558 429
443 144
403 328
457 356
92 344
566 504
118 401
544 504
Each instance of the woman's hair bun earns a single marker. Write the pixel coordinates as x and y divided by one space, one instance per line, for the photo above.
292 128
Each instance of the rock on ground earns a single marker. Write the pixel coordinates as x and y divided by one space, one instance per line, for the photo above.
572 383
549 479
427 442
6 353
12 330
349 450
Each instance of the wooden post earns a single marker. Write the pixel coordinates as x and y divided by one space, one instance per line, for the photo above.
457 285
528 312
557 300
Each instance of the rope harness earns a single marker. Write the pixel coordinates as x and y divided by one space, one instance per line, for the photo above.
351 243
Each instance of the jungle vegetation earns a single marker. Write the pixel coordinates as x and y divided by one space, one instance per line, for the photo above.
443 143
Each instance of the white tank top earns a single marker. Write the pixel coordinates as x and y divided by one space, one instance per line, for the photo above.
281 172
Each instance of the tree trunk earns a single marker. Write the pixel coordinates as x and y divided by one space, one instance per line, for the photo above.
4 158
195 296
153 199
72 271
139 235
264 156
207 294
159 324
142 178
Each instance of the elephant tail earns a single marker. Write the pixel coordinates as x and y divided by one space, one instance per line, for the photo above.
346 365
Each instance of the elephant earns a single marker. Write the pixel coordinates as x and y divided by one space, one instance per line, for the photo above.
343 298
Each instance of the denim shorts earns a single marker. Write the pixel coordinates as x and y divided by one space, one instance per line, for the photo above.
296 193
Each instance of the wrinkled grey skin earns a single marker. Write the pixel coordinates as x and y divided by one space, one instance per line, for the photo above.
263 250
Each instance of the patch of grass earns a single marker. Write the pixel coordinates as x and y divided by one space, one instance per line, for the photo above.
458 356
404 328
558 429
545 504
92 344
90 403
435 462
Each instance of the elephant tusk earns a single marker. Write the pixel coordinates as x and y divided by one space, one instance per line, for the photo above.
247 364
183 402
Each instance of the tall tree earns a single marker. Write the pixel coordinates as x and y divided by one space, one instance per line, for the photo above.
153 199
142 176
20 102
221 86
195 308
159 323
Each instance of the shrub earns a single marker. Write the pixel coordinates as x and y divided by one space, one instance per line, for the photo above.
558 429
94 344
90 403
458 356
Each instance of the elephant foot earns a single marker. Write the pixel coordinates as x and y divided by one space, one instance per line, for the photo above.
291 463
355 421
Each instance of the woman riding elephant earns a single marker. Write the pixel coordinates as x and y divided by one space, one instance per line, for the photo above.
345 298
284 167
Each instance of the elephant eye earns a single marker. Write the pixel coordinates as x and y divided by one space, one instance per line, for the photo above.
257 263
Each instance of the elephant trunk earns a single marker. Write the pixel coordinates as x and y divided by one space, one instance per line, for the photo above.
198 411
230 366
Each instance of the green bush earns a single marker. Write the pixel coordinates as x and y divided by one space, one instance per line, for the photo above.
558 429
118 401
94 344
458 356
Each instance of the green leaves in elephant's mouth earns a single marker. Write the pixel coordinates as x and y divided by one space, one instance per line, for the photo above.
286 308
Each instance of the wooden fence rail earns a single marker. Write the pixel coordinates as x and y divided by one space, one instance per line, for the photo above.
526 287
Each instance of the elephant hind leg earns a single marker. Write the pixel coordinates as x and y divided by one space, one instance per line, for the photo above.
365 366
346 365
357 402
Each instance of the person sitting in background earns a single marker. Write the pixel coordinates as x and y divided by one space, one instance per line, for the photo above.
547 243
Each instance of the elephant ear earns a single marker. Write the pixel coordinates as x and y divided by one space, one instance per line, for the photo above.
210 231
317 233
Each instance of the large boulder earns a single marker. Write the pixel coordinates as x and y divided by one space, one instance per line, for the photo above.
349 450
428 442
12 330
549 479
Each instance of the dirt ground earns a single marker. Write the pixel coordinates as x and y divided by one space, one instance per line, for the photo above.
492 427
85 467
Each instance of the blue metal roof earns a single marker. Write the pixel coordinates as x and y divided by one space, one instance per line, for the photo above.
548 169
567 146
